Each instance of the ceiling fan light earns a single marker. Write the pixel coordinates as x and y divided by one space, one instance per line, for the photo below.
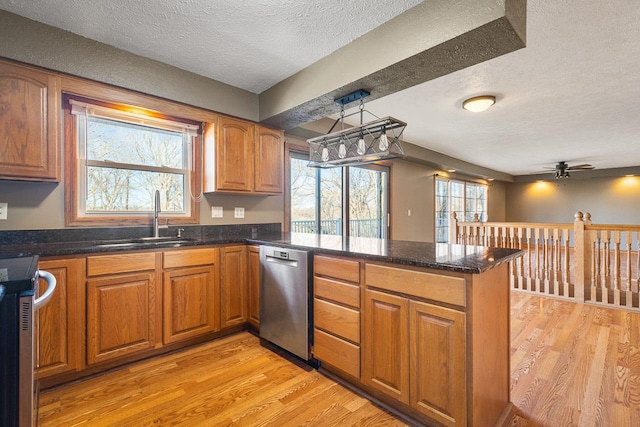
479 103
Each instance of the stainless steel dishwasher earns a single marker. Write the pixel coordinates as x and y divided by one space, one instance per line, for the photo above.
285 296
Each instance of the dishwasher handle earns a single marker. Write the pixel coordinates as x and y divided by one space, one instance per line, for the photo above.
281 261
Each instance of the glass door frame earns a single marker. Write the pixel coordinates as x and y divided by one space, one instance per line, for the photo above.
298 152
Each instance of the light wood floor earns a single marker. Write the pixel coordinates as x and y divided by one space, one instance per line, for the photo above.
572 365
229 382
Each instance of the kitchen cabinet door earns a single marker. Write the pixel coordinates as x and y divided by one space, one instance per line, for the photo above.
121 315
229 153
190 303
61 321
254 285
385 362
233 286
29 124
437 368
269 160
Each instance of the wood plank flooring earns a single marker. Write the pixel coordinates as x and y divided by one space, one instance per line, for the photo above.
574 364
230 382
571 364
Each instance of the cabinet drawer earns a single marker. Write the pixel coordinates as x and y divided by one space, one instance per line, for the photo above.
431 286
122 263
336 319
336 352
344 269
336 291
190 257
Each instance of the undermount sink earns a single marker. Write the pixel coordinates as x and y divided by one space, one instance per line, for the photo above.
143 241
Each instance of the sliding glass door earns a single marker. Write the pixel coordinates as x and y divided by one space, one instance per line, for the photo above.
350 201
368 206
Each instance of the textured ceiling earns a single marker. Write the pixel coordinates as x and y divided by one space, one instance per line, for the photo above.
571 94
248 44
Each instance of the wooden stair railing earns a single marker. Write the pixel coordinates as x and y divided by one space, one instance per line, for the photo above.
581 261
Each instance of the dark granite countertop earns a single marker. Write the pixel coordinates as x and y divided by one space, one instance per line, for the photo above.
460 258
441 256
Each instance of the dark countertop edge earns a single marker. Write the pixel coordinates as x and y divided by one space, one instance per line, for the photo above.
89 247
391 259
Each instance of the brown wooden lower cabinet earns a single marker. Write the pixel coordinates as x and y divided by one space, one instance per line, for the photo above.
190 293
190 303
437 352
385 346
233 286
118 307
61 321
336 312
121 315
254 285
415 353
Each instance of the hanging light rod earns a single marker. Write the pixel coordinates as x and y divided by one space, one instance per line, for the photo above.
367 143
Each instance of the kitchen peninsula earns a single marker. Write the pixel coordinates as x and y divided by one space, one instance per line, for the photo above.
422 327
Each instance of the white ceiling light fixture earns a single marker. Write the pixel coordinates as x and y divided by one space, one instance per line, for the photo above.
479 103
367 143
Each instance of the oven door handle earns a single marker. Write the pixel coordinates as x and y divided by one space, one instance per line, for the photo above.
51 287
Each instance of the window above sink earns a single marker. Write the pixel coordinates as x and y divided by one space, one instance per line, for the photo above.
120 155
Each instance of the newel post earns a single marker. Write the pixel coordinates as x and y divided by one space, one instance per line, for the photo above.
581 252
453 228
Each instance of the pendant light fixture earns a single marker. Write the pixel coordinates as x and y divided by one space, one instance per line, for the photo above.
366 143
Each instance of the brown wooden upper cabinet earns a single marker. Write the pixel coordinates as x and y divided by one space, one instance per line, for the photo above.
29 125
242 157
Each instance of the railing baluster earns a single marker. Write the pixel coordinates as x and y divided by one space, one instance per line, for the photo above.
556 262
627 281
596 268
546 259
566 267
528 240
637 281
616 268
537 248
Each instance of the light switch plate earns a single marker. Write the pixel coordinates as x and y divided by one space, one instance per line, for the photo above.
239 212
4 207
216 212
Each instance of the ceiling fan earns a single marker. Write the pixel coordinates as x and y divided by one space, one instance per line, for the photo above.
562 169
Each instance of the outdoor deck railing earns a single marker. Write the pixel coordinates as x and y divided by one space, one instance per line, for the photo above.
581 261
369 227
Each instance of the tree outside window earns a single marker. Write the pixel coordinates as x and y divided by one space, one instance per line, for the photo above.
317 197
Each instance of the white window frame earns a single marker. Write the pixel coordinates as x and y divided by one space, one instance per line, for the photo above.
76 110
462 216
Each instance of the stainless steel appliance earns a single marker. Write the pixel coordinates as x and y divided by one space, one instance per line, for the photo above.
285 299
19 278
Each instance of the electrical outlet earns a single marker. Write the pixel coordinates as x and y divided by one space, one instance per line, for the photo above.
4 207
238 213
216 211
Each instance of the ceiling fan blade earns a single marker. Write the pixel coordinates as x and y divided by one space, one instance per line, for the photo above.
580 167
